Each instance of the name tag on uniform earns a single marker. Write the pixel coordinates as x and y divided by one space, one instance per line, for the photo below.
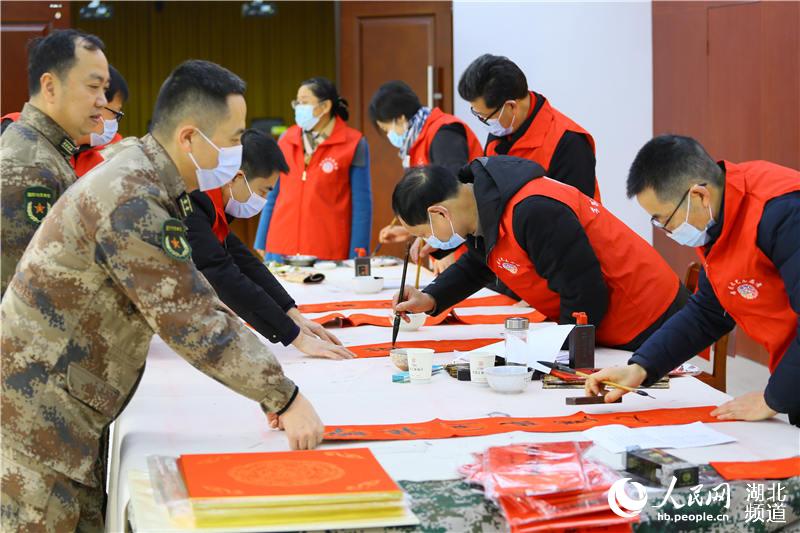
174 241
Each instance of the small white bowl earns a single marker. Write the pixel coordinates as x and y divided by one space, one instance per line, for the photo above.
417 321
325 265
399 358
508 379
367 284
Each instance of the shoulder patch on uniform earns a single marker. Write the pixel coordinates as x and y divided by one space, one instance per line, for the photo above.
174 241
38 201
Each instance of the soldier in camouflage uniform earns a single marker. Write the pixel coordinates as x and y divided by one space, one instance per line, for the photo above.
67 74
109 267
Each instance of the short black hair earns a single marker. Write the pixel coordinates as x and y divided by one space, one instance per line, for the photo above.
392 100
421 187
55 53
198 89
324 89
116 85
495 78
261 155
670 164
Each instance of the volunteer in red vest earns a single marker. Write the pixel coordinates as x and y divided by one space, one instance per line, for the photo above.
88 155
744 222
323 205
522 123
558 249
241 280
422 136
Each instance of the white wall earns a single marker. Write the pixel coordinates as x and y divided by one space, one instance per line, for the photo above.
593 61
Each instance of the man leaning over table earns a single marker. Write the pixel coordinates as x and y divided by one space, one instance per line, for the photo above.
109 267
744 221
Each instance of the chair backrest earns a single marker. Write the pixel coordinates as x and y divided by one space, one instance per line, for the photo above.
266 124
719 351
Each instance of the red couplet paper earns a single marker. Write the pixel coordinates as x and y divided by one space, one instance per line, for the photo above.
770 469
382 350
484 301
445 429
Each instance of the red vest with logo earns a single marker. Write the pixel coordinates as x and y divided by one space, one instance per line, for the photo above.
86 160
746 282
539 142
419 153
641 286
220 226
314 206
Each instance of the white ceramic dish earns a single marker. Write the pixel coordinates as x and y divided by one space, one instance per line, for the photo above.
508 379
325 265
399 358
417 321
367 284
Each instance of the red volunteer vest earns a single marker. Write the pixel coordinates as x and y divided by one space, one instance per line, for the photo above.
314 206
419 153
640 283
85 161
13 117
220 226
539 142
746 282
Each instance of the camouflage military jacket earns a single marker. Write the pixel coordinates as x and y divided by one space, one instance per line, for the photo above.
35 171
109 267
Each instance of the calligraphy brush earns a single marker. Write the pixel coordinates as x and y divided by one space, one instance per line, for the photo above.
419 264
377 248
397 319
568 370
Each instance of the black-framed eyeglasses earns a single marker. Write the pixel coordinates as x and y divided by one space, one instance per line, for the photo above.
485 119
663 226
118 115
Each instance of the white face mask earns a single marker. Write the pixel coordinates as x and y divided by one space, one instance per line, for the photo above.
304 116
498 130
251 207
688 235
109 130
229 163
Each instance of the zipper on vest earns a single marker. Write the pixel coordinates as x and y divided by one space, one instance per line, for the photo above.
304 175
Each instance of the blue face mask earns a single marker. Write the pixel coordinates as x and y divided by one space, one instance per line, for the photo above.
397 139
304 116
688 235
453 242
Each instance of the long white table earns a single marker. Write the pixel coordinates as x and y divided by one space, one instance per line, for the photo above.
179 410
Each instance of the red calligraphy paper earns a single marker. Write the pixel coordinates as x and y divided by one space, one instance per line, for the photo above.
382 350
490 426
484 301
770 469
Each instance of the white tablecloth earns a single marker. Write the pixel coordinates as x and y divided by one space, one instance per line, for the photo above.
179 410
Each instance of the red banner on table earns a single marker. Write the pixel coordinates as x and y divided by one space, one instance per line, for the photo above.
444 346
483 301
769 469
445 429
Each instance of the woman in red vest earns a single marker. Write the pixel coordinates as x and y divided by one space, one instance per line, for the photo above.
558 249
744 221
88 155
522 123
241 280
422 136
323 205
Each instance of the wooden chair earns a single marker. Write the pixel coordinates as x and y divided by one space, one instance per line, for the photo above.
719 350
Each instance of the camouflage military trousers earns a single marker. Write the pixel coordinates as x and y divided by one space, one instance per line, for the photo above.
35 498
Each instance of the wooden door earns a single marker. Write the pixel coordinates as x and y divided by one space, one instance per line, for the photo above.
383 41
19 23
728 74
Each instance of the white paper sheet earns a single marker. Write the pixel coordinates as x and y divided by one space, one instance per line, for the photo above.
617 438
544 344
